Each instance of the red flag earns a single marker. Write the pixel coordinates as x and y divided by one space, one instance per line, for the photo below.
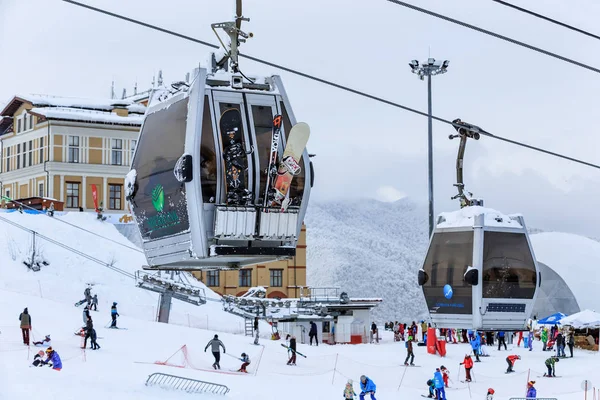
95 196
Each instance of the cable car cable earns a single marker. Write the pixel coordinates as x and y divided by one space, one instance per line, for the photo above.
524 10
333 84
494 34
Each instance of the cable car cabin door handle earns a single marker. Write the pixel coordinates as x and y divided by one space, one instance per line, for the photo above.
183 169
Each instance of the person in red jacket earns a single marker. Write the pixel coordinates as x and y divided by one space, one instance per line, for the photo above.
445 374
468 363
511 362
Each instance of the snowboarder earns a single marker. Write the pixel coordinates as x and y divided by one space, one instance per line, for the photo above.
501 340
45 342
313 333
409 352
215 345
292 347
53 359
531 392
438 381
511 362
94 302
490 394
468 363
114 314
445 375
550 364
367 386
38 359
245 362
349 390
25 319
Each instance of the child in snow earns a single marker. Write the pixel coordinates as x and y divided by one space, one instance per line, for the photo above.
511 362
45 342
468 363
431 386
409 352
245 362
52 359
445 374
490 394
349 390
114 314
367 386
550 365
292 348
38 360
531 392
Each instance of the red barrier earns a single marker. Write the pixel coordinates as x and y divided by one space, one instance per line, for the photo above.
431 340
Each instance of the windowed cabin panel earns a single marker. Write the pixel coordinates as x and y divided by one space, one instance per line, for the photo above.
208 157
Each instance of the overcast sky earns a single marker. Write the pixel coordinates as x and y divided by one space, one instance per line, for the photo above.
363 148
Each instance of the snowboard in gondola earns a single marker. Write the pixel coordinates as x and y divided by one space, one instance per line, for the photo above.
272 168
235 157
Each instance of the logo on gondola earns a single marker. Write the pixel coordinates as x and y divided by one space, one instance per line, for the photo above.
448 291
158 198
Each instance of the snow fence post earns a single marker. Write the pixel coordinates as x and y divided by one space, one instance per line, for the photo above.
334 367
528 373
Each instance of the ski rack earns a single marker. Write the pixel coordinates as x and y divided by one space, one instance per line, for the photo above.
465 131
186 384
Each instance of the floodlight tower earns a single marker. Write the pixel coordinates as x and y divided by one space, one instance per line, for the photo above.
428 69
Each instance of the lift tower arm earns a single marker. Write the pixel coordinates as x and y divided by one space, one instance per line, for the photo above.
236 36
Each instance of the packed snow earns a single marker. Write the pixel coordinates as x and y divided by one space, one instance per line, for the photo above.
73 114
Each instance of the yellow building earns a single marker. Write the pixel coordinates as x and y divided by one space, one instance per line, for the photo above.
64 148
280 279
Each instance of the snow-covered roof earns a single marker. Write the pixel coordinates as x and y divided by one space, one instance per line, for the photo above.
39 100
465 217
73 114
583 319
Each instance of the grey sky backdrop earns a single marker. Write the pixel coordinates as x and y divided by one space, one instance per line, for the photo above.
364 148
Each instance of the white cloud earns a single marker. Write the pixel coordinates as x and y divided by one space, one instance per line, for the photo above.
389 194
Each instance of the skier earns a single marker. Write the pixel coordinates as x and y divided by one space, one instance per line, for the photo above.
114 314
445 375
292 347
215 345
511 362
501 340
531 392
367 386
490 394
349 390
409 352
94 302
53 359
438 381
245 362
38 360
476 345
45 342
550 364
86 315
468 363
313 333
25 319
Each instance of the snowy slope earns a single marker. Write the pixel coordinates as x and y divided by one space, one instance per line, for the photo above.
369 248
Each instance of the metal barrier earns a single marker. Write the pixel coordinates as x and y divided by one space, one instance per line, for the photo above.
185 384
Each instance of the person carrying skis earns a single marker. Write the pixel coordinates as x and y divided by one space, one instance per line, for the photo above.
53 359
409 352
215 345
438 381
313 333
367 386
445 375
511 362
25 319
550 363
45 342
468 363
292 348
531 392
114 314
245 362
501 340
349 390
94 302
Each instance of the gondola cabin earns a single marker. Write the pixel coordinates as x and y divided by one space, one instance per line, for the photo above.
198 181
480 271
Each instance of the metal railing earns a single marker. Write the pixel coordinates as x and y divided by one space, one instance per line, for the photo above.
185 384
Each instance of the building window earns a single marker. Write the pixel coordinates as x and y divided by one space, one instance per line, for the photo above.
72 195
41 150
73 149
276 277
30 152
133 146
114 202
8 193
40 189
18 155
117 152
245 278
30 121
24 155
19 122
212 278
7 160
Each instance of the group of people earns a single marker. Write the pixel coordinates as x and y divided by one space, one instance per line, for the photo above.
367 387
216 344
402 332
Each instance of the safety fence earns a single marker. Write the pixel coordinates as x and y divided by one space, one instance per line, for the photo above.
186 384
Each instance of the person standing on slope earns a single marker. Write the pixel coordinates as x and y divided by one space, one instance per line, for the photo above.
423 330
313 333
367 386
349 390
86 315
114 314
501 340
468 363
292 348
25 319
409 352
438 381
89 326
571 343
215 345
94 303
475 345
511 362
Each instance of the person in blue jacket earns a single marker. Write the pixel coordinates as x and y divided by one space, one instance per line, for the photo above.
367 386
114 314
438 381
531 392
475 345
52 359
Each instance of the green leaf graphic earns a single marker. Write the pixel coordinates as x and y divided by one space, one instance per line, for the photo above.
158 198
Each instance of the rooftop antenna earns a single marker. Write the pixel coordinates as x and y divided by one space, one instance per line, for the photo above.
124 93
160 77
135 87
236 37
112 90
465 131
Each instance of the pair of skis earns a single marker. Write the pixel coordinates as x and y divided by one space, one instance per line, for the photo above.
279 177
290 349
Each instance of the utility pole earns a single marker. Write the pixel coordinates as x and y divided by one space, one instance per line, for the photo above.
428 69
